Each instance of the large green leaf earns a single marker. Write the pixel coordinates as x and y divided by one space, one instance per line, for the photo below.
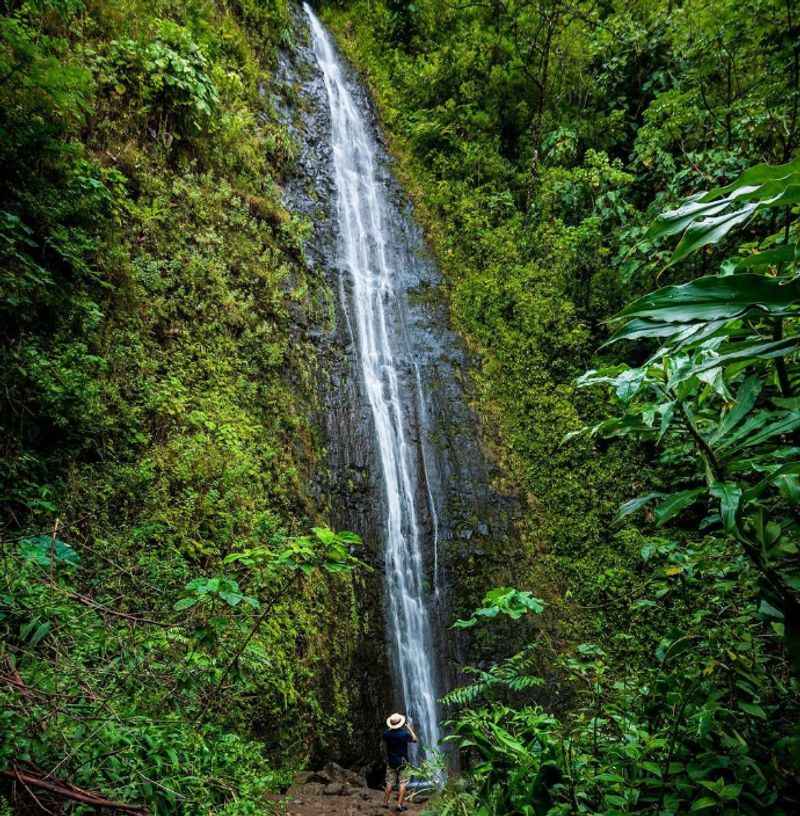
676 503
680 334
774 476
746 398
706 218
730 496
711 230
717 298
43 550
748 350
672 222
783 425
788 253
632 505
756 177
745 431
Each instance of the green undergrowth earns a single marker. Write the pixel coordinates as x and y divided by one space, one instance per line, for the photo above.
538 139
156 390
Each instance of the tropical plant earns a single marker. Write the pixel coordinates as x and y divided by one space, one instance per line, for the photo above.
69 654
685 733
718 395
513 674
513 603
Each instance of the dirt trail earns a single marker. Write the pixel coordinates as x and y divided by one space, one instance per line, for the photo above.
336 791
306 800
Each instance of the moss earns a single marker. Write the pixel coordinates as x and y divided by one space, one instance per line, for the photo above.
160 388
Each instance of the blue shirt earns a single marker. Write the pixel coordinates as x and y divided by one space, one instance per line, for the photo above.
397 740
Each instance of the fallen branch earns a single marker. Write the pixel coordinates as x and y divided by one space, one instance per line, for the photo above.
14 679
90 602
68 791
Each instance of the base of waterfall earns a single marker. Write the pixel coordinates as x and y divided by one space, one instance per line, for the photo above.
336 791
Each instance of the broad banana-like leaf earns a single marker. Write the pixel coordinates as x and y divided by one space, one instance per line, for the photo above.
632 505
729 495
788 253
752 424
694 333
634 329
711 230
757 429
757 176
717 298
674 221
706 218
680 335
785 424
747 350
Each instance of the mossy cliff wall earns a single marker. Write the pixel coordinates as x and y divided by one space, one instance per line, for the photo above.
526 293
159 398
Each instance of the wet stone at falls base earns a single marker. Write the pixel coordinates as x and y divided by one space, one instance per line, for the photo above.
406 470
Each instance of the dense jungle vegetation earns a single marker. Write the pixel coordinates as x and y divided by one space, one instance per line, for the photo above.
169 619
611 190
540 139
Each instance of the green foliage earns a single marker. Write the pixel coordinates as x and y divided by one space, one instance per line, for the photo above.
167 76
47 551
206 590
513 674
721 382
157 389
74 658
513 603
453 802
325 550
691 729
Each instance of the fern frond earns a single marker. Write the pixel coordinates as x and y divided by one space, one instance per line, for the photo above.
512 673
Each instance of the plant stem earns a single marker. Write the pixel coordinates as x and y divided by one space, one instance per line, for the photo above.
709 457
780 362
256 626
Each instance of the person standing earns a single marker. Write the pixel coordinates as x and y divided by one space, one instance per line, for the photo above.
396 738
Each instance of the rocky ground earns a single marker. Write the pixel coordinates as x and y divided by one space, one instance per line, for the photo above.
335 791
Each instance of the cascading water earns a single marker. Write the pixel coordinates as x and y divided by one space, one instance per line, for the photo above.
364 219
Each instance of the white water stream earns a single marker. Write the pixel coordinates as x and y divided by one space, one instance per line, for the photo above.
364 218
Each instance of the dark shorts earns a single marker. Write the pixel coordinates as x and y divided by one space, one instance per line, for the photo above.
397 776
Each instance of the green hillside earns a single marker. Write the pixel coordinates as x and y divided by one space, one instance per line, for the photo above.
180 630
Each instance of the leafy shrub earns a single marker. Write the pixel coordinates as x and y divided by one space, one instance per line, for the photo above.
168 76
693 731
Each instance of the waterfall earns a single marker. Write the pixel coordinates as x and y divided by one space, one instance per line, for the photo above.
364 219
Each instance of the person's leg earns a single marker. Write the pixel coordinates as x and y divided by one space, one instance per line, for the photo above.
402 781
391 776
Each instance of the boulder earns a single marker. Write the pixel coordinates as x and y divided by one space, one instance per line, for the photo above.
336 789
339 774
304 777
309 789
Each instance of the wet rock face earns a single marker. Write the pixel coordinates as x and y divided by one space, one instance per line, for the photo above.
457 508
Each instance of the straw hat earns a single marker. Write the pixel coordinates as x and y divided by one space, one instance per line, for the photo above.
396 721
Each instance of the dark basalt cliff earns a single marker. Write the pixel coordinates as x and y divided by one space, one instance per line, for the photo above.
460 510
